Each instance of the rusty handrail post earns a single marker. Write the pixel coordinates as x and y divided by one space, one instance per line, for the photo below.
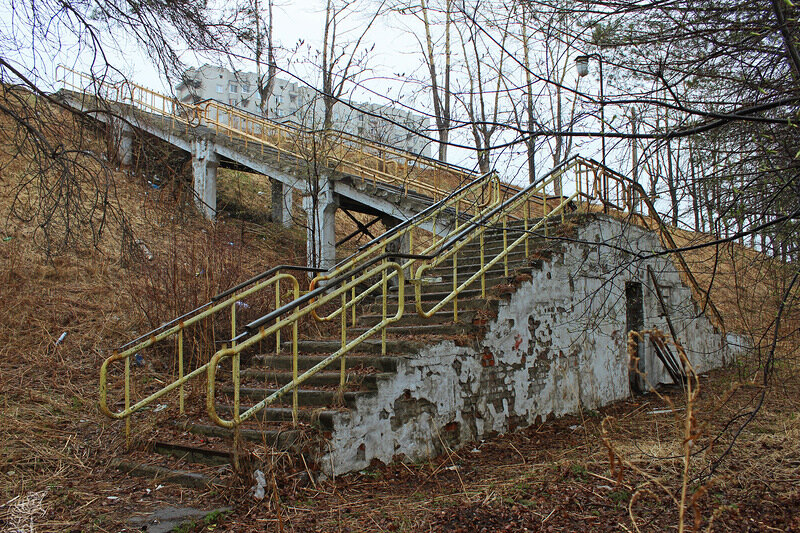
342 365
505 243
181 392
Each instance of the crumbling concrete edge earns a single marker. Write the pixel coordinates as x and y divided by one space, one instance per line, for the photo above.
556 347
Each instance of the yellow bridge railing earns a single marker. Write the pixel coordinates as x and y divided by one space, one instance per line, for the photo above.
339 151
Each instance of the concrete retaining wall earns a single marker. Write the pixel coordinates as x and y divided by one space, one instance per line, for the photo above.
557 346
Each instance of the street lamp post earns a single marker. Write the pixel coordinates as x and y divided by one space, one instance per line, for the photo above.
582 62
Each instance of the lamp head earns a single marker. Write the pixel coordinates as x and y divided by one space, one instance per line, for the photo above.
582 62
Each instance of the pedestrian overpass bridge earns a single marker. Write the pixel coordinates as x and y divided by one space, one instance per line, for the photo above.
331 170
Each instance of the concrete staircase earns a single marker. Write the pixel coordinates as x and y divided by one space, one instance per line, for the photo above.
194 452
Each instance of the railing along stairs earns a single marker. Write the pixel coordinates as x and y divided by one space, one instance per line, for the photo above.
350 276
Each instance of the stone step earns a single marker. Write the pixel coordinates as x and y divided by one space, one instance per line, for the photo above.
452 328
518 226
443 275
305 397
412 319
491 247
355 360
497 291
473 261
319 417
494 245
369 346
471 304
320 379
495 237
163 474
281 438
445 285
497 271
192 454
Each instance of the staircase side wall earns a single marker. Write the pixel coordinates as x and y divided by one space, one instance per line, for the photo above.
557 346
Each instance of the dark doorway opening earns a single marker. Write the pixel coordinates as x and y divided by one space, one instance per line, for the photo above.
634 321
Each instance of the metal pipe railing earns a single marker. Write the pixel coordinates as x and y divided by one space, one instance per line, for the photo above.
257 330
176 327
336 290
250 127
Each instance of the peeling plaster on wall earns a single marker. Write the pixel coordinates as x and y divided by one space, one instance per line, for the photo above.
558 345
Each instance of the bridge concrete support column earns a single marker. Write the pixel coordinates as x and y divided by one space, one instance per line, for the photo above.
281 203
204 172
321 225
120 142
401 245
125 146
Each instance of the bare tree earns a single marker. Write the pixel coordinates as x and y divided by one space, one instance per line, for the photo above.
530 110
257 35
732 69
67 188
482 106
342 62
441 95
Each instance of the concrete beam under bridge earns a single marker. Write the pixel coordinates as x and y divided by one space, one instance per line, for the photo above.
386 208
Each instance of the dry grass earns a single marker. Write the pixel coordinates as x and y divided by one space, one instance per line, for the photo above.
556 476
746 285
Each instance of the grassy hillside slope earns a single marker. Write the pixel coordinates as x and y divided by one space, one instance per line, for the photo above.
74 288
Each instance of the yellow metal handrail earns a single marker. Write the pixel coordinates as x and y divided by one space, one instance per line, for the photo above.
459 202
499 215
178 330
335 294
103 87
351 276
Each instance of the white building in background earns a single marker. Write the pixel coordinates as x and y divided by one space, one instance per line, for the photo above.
291 102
